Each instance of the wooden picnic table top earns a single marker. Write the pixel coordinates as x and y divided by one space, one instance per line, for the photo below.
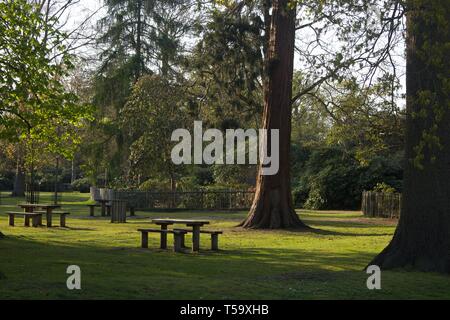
180 221
37 205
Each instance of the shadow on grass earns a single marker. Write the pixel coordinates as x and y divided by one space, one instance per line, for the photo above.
243 261
78 229
33 269
337 233
350 223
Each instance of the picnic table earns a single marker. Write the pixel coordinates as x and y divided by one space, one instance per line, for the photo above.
31 207
195 224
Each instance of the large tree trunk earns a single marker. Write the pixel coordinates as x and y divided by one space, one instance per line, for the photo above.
422 238
272 206
19 180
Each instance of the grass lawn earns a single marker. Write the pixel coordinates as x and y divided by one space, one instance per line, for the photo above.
252 265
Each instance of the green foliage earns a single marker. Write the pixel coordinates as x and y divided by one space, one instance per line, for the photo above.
154 110
330 178
188 183
35 105
138 38
6 183
155 185
226 67
384 188
82 185
234 176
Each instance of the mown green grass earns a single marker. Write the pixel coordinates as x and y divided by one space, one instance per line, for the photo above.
253 264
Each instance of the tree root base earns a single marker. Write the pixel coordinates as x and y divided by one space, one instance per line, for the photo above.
393 257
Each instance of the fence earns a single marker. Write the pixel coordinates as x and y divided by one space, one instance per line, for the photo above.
192 200
383 205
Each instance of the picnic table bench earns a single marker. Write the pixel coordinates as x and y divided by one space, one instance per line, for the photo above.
178 238
214 237
195 224
35 218
62 217
31 207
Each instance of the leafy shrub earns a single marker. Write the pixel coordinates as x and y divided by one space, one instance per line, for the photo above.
315 200
6 183
189 183
82 185
384 188
331 178
155 185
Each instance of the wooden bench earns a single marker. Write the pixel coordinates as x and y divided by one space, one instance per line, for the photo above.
35 218
214 237
62 217
178 237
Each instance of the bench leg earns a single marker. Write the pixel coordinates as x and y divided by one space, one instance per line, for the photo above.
182 240
144 241
195 238
132 213
91 211
108 211
103 210
163 238
49 219
11 220
27 221
215 242
62 221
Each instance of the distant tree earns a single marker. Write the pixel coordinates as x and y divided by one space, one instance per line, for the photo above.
226 68
137 38
153 111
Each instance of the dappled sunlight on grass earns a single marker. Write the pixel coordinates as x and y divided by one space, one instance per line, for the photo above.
253 264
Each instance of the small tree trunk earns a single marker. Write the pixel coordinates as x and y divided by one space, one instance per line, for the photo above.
173 189
273 206
19 180
422 238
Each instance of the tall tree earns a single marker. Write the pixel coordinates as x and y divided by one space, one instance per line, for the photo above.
139 37
357 25
226 68
422 238
273 206
154 109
